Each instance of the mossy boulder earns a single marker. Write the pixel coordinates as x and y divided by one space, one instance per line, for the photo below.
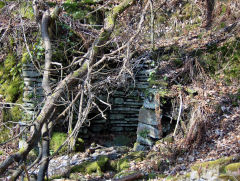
89 167
124 163
220 163
233 170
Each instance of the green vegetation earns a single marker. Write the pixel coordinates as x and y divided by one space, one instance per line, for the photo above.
26 10
144 133
223 61
11 88
57 140
1 152
89 167
233 167
81 10
5 134
11 81
2 4
123 163
212 164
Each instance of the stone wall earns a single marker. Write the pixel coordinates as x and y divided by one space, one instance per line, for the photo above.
123 116
126 103
33 92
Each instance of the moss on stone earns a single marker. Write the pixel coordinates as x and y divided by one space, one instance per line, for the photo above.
227 177
233 167
97 166
25 57
212 164
89 167
167 139
160 83
124 162
113 164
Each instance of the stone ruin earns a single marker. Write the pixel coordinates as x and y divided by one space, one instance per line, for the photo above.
131 111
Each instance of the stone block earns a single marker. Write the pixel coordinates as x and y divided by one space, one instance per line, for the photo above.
139 147
30 74
99 121
97 127
149 104
148 130
117 129
145 141
116 116
118 101
147 116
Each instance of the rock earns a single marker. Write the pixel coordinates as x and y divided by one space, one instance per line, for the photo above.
139 147
147 116
233 169
118 100
191 158
116 129
30 74
145 130
145 141
116 116
22 144
97 127
149 104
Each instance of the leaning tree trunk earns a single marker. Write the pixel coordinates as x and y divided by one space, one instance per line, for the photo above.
51 100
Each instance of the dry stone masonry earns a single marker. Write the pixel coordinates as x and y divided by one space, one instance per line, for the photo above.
131 109
33 92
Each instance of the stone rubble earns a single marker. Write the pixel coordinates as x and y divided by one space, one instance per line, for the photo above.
60 165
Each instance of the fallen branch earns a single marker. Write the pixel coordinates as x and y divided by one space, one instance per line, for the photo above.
131 177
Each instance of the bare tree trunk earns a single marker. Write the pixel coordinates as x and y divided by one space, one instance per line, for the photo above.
46 20
45 153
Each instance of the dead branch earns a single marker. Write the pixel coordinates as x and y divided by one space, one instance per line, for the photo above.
131 177
179 115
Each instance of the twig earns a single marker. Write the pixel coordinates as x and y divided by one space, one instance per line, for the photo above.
152 24
179 115
25 169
